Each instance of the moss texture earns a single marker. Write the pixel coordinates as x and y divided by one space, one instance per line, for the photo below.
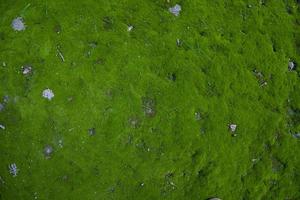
144 114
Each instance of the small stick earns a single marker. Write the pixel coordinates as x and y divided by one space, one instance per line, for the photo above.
60 55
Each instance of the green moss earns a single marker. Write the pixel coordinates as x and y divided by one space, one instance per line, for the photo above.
204 61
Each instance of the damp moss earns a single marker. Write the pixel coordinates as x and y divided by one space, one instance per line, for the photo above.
225 61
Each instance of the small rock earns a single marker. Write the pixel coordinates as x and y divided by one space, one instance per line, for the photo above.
26 69
2 127
3 64
48 150
292 65
214 198
232 127
13 169
175 10
92 131
18 24
48 94
129 28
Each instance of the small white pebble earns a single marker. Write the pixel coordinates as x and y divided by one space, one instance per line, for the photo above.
175 10
26 69
129 28
291 65
233 127
48 94
2 127
18 25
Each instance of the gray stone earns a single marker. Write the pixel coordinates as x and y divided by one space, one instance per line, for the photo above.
232 127
292 65
129 28
18 24
175 10
48 150
26 69
2 127
48 94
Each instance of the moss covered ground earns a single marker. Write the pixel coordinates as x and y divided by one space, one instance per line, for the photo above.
144 113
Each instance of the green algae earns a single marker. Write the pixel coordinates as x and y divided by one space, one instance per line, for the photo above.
106 75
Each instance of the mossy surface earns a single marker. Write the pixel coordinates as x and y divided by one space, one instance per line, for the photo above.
144 114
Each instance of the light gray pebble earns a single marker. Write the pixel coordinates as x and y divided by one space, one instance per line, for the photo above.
48 94
2 127
232 127
292 65
175 10
48 150
18 24
26 69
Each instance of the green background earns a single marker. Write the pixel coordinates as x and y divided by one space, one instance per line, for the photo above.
109 73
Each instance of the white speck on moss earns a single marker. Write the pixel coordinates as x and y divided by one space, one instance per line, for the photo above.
175 10
48 94
232 127
26 69
129 28
13 169
291 65
48 150
2 127
18 24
